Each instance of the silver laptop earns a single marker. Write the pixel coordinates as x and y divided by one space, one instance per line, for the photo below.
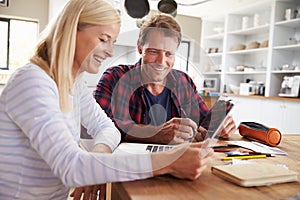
125 147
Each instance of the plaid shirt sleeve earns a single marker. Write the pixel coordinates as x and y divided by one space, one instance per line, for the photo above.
112 94
188 97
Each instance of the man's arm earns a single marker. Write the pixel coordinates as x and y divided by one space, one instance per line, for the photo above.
104 92
174 131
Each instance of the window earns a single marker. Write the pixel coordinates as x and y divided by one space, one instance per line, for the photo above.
17 41
182 56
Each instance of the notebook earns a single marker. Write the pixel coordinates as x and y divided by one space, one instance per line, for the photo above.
217 115
255 174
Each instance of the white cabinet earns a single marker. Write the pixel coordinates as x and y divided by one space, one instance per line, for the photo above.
253 43
291 116
281 114
272 114
246 109
286 45
211 54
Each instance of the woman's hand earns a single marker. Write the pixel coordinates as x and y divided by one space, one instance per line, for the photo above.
187 161
94 192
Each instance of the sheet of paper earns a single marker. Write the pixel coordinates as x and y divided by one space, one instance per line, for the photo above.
258 147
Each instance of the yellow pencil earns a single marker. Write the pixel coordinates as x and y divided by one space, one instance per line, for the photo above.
245 157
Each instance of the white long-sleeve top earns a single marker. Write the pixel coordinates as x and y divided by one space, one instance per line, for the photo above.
39 153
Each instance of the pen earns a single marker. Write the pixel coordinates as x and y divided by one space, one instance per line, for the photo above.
231 153
221 150
248 154
183 113
194 130
244 157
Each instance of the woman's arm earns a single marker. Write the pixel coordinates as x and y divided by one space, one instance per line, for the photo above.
188 161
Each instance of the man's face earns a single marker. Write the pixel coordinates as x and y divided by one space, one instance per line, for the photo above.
158 56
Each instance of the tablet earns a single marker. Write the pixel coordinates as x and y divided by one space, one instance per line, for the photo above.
216 116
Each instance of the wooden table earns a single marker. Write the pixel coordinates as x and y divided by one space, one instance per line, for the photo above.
208 186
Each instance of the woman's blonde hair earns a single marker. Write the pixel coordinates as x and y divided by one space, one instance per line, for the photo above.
56 50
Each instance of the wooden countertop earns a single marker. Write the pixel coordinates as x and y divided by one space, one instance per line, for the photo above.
255 96
264 97
209 186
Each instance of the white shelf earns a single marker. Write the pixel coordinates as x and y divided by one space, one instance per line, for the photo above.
215 54
288 47
286 72
248 51
215 37
212 73
266 61
251 31
289 23
245 73
272 28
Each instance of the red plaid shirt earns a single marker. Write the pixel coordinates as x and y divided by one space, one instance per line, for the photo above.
120 93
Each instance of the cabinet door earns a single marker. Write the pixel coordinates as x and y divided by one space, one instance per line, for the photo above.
272 114
246 109
291 121
283 115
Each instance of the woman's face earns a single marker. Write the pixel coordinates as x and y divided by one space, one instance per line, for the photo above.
93 45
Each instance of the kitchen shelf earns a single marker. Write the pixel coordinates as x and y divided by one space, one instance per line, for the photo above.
212 73
214 54
251 31
215 37
289 23
245 73
288 47
286 72
272 27
248 51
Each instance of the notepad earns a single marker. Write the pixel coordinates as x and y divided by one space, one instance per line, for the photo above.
255 174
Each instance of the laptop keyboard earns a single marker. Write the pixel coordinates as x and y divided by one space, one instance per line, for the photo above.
158 148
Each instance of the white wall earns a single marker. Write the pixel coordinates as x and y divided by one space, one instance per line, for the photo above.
30 9
55 6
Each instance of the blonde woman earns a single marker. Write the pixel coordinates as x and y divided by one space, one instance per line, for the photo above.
44 103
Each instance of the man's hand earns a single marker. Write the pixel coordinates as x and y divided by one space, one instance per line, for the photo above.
177 130
200 135
174 131
228 128
226 131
